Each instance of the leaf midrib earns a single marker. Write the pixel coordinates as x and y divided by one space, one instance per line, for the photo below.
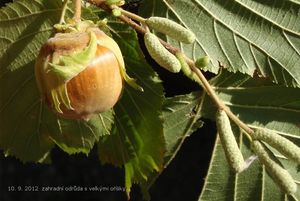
261 107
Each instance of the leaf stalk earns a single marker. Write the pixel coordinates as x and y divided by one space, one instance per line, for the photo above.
63 12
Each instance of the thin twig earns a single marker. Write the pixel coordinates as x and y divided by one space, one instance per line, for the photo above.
220 104
133 24
130 15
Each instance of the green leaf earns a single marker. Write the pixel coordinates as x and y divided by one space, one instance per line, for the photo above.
240 35
260 105
23 127
181 119
137 140
28 129
74 136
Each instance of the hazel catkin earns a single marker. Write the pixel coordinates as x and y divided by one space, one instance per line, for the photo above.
160 54
231 149
278 174
171 29
283 145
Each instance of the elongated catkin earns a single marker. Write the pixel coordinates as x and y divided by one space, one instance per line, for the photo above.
231 148
171 29
283 145
160 54
279 175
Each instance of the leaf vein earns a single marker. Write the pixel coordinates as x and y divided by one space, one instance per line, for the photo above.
290 43
262 107
92 130
268 19
221 46
239 51
103 123
29 15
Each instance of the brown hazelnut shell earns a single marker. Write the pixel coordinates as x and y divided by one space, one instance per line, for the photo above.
94 90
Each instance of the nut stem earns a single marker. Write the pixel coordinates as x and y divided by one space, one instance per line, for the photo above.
77 10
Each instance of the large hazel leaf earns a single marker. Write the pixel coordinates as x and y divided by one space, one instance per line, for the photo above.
28 129
137 140
260 105
240 35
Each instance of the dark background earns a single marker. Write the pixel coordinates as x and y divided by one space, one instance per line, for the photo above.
181 180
